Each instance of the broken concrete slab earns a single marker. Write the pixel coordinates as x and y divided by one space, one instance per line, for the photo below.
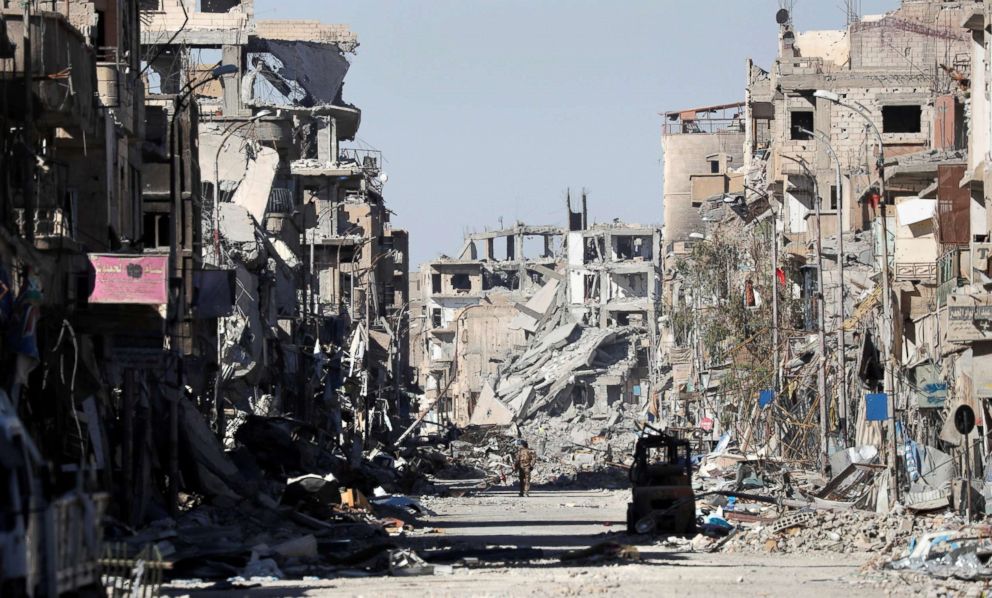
490 411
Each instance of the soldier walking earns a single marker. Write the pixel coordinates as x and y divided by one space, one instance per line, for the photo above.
524 464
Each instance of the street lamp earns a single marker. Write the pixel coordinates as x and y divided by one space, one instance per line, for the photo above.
177 271
821 370
218 383
886 292
841 357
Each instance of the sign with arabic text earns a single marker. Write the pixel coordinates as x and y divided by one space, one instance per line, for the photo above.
969 317
130 279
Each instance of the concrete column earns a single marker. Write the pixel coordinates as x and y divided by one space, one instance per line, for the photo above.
327 141
547 246
490 249
232 83
511 247
518 242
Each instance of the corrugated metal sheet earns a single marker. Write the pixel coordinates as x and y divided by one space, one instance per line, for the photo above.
953 205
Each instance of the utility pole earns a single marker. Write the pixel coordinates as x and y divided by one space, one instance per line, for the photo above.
886 290
821 368
841 354
177 255
29 123
775 355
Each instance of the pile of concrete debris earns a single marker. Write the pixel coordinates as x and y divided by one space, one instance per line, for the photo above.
851 531
582 448
287 503
562 394
757 504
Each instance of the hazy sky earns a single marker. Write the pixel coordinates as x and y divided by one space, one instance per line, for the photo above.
489 109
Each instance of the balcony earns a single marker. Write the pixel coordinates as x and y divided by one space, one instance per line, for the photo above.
916 272
63 66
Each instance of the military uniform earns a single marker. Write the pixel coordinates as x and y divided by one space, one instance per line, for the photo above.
524 464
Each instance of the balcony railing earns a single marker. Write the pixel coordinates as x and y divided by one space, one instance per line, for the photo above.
369 160
703 125
916 271
948 275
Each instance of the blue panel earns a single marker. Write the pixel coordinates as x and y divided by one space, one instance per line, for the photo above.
877 407
765 398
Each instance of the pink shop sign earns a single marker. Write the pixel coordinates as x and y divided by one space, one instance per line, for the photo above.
129 279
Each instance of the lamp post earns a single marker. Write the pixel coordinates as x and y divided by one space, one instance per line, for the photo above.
218 399
821 370
886 290
176 271
841 356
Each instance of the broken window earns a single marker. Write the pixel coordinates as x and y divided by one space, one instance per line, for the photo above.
591 287
801 119
714 167
156 230
436 317
461 282
902 119
613 394
389 296
833 197
149 5
630 285
221 6
435 283
625 248
762 132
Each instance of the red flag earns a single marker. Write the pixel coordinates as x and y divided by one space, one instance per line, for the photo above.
780 275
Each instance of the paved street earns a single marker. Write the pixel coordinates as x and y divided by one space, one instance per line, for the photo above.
558 521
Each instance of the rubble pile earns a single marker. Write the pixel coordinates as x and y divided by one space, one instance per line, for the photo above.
853 531
576 445
557 391
283 503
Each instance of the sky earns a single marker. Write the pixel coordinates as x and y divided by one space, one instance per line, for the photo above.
486 111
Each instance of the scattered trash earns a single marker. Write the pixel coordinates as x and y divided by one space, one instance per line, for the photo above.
406 563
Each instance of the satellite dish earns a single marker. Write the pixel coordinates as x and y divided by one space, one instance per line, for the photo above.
782 16
383 178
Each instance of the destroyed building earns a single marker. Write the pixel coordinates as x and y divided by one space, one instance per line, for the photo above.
477 308
187 245
876 131
701 147
299 219
564 350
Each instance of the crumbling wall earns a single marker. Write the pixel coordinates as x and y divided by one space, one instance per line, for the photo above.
685 154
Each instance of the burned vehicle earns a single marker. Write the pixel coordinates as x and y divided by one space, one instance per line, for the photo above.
662 499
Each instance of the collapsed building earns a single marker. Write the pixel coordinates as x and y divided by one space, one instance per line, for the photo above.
190 257
848 262
564 351
477 307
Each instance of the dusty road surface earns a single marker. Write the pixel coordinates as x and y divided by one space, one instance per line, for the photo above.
557 521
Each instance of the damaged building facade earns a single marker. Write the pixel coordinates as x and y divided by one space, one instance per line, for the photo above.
839 278
479 307
558 341
188 249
